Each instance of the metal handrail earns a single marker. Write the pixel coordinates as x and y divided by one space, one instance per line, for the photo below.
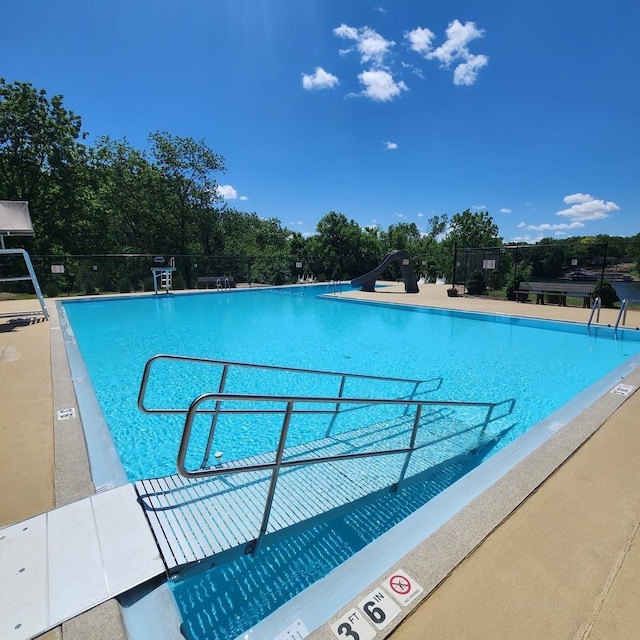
336 285
292 400
597 304
279 463
226 364
622 313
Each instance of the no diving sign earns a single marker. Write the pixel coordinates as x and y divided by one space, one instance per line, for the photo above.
403 588
377 609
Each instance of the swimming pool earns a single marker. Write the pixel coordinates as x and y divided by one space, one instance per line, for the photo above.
468 351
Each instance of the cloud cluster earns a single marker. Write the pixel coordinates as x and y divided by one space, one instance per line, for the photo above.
390 146
371 46
454 49
584 208
374 50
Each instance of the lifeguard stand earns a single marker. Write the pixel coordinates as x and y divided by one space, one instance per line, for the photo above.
162 274
16 221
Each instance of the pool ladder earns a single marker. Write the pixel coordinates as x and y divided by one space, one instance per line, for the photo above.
597 305
622 314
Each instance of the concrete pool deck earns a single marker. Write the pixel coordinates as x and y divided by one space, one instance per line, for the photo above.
564 564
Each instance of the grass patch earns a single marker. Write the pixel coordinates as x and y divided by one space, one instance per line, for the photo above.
5 295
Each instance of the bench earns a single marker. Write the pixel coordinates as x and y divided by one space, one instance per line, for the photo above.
216 282
556 290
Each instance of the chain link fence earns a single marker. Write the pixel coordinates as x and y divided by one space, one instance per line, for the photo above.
582 261
123 273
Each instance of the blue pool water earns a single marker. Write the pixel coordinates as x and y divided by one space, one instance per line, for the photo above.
478 358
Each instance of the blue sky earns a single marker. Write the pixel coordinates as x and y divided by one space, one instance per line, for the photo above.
384 111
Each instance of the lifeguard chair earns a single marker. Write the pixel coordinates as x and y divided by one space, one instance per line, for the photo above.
163 274
16 221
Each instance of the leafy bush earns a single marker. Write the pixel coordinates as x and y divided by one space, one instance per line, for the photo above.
495 280
524 274
51 289
88 287
476 284
124 285
607 294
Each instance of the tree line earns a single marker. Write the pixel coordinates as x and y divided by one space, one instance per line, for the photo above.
111 199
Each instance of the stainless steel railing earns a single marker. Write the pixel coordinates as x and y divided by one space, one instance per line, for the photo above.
597 305
228 365
622 314
279 463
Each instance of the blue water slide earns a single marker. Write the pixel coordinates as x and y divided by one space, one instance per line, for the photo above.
368 280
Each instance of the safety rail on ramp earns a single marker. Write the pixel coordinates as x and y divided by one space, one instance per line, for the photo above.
213 513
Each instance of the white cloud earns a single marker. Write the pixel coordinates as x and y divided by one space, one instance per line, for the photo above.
390 146
380 85
345 31
554 227
521 225
380 9
227 192
420 215
243 198
420 39
455 48
505 210
586 207
414 70
527 238
577 198
479 207
399 215
466 73
370 44
319 79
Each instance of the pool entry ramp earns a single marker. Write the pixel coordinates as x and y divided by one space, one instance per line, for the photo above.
215 510
357 446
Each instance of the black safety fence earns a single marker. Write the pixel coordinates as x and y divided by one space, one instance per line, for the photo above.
582 260
60 275
507 266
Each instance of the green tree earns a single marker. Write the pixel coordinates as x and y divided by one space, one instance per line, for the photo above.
190 198
472 230
43 161
338 246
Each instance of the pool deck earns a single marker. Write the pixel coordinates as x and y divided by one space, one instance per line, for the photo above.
565 564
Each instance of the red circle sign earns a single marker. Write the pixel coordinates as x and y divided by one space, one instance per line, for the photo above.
400 584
